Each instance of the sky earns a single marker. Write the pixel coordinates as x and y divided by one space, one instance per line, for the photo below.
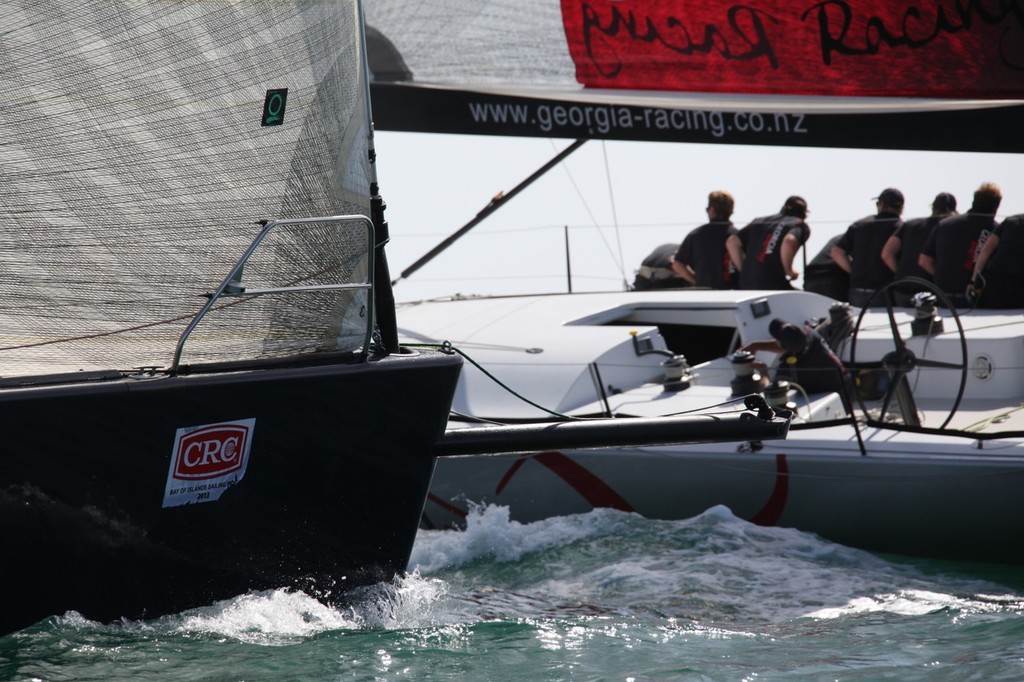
606 206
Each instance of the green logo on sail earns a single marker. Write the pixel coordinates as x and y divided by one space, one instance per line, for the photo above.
273 107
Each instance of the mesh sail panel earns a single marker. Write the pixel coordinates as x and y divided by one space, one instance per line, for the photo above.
135 164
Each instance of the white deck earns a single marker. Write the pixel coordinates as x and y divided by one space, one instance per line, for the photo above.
554 349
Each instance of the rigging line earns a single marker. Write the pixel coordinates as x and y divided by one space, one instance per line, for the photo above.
727 403
498 346
593 218
470 418
583 199
994 419
807 400
449 348
615 216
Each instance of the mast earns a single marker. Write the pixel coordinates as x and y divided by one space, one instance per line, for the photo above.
383 294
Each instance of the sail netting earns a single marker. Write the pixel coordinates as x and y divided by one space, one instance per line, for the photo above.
903 74
142 142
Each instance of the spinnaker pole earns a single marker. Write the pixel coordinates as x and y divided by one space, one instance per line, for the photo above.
497 202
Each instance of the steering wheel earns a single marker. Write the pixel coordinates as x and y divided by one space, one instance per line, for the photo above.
899 362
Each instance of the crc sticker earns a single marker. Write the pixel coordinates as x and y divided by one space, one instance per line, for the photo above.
207 460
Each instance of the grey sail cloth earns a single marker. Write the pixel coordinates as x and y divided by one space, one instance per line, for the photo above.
130 192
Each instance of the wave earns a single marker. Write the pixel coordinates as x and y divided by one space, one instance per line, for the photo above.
711 568
709 573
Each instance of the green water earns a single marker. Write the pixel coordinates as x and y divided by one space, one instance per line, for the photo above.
599 596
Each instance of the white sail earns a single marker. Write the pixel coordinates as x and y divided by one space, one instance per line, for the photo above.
142 142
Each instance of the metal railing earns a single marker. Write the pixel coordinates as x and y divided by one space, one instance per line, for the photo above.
232 285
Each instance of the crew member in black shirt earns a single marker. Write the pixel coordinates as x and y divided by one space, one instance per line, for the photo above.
859 250
764 250
702 259
904 246
953 247
824 277
805 359
1000 263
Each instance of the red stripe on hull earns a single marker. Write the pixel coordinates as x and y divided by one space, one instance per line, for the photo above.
776 504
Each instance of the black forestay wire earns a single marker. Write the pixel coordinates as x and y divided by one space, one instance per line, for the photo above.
448 347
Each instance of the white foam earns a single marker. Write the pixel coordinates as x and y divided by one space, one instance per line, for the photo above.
279 617
272 617
920 602
410 601
491 533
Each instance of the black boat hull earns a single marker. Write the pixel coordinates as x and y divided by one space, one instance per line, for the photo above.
334 485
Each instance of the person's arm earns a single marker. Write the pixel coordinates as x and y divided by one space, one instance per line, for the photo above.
991 244
684 271
771 345
927 263
760 366
735 248
787 254
891 253
840 258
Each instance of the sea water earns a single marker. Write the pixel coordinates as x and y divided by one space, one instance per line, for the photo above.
599 596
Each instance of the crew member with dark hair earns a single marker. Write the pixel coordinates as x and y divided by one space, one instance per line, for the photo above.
999 272
764 250
805 359
904 246
702 259
953 247
859 250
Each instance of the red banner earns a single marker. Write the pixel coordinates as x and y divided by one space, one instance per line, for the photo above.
937 48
